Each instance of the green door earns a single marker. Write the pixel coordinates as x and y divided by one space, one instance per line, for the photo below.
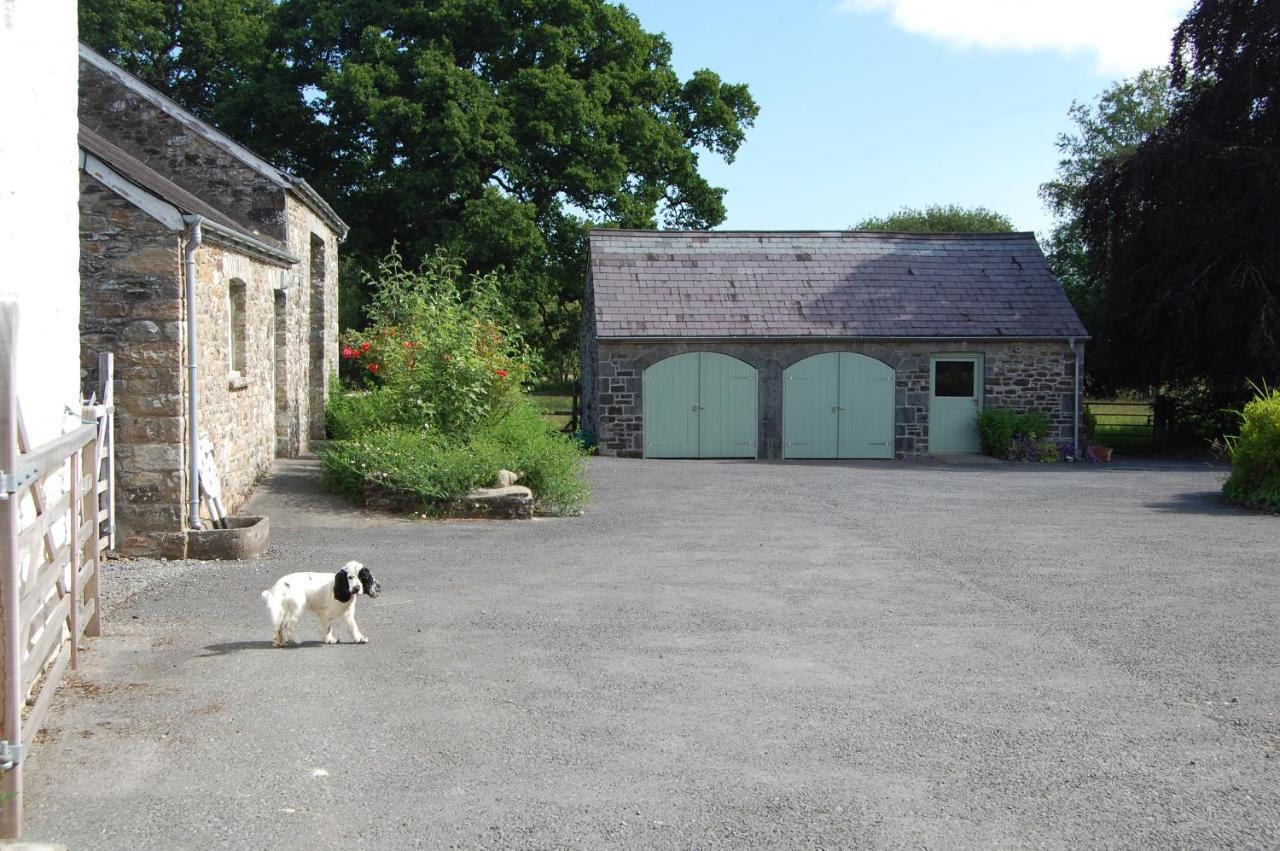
727 422
955 398
838 405
700 405
671 408
866 407
811 407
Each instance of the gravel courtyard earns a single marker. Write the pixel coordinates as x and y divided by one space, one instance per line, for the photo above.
729 654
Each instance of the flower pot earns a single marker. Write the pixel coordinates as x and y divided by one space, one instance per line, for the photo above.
1100 453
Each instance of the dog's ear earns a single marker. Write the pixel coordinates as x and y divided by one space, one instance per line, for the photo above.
368 583
341 586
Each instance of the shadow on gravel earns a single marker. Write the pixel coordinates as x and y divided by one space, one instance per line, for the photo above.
229 647
237 647
1196 502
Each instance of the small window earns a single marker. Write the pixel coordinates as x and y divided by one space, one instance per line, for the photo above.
236 327
953 378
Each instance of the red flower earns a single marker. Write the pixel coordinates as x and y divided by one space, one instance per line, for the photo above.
364 347
502 373
410 344
373 367
347 352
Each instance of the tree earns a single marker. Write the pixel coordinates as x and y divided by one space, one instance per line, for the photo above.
1121 119
950 218
1183 232
499 129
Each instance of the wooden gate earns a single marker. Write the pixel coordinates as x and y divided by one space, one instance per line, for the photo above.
55 521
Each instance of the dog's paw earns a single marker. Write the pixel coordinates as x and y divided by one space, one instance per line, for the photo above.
275 642
330 639
362 639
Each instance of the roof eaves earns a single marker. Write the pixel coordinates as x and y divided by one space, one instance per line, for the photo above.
174 217
148 202
247 244
313 200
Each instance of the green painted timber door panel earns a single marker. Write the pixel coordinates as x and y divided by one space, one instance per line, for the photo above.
728 423
867 402
671 407
838 405
811 407
955 399
700 405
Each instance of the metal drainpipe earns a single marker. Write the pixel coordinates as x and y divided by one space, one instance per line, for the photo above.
1075 400
194 237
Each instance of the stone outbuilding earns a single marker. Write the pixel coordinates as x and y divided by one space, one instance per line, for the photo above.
820 344
171 208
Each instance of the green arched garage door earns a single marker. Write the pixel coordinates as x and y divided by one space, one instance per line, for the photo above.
838 405
700 405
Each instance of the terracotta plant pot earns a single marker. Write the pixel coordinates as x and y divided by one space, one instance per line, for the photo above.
1100 453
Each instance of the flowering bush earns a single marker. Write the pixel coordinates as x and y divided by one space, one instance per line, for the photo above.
436 404
442 355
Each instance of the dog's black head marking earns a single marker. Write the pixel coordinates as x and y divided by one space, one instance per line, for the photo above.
368 584
342 586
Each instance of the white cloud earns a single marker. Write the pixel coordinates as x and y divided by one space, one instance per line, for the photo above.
1124 35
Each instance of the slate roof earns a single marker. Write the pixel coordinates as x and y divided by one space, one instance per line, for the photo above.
146 178
283 179
825 284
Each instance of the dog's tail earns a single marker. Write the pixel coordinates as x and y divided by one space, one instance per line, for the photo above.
273 606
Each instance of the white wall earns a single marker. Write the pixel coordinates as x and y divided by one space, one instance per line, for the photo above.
39 190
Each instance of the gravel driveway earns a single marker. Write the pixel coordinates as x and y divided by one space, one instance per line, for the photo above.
715 655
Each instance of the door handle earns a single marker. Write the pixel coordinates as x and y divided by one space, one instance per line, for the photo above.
835 409
696 408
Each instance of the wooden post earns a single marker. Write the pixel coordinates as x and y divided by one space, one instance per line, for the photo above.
10 633
75 545
107 398
92 591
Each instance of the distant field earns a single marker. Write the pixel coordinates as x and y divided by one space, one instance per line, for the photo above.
555 407
1123 425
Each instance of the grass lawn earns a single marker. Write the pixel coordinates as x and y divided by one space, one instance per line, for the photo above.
1123 425
555 407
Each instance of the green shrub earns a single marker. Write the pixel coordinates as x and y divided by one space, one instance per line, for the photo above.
1255 454
438 469
998 427
349 413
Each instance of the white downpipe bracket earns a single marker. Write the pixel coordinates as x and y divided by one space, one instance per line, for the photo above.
194 237
1075 400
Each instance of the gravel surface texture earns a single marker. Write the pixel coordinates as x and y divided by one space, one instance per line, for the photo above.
717 655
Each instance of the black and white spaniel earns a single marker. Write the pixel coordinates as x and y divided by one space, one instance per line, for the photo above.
326 595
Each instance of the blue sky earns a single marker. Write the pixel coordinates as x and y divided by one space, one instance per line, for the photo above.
867 106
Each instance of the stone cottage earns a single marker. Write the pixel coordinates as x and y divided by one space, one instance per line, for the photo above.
202 266
820 345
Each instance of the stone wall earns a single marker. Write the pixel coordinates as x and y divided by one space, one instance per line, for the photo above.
237 409
131 121
1023 375
131 306
313 320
